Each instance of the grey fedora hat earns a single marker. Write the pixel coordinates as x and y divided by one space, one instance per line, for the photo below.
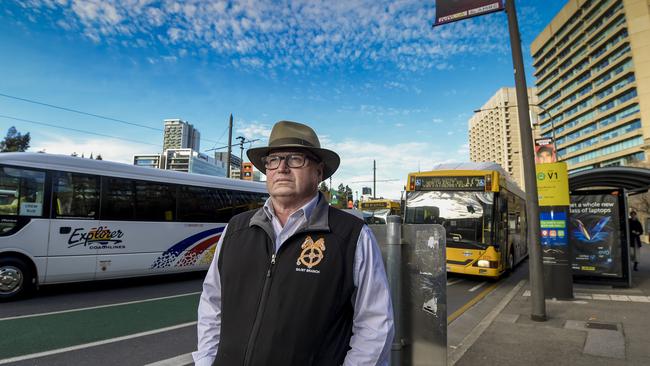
287 134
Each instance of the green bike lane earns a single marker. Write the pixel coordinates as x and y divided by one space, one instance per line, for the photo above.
47 332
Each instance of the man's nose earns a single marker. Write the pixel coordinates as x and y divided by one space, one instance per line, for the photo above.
284 167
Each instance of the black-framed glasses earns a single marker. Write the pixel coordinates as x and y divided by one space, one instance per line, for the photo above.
293 160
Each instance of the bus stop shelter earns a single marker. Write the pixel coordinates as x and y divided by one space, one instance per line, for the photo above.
633 180
599 230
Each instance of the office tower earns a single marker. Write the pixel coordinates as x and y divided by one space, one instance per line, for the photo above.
494 133
592 69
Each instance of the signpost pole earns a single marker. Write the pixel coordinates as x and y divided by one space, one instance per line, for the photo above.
538 311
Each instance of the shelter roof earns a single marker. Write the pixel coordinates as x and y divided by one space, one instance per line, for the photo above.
631 178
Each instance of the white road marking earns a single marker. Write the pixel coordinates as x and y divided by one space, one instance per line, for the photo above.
619 298
93 344
98 306
181 360
605 297
453 282
477 287
639 298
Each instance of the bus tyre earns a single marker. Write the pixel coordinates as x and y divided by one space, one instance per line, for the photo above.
16 278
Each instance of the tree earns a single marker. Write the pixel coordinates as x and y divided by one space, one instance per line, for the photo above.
15 141
99 157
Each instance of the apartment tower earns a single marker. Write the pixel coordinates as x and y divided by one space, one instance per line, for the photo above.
494 133
592 67
179 134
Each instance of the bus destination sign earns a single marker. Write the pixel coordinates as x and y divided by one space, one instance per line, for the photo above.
373 205
450 183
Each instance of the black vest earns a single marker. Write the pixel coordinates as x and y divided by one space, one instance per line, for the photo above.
293 308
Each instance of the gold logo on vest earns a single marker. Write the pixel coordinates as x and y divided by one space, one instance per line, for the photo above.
311 255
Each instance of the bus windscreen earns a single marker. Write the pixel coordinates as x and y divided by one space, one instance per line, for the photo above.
466 216
376 216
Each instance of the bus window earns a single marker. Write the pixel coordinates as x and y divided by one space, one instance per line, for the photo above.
244 201
155 201
75 195
203 204
466 216
8 194
22 192
120 200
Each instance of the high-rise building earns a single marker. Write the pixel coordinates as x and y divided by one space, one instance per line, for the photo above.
148 160
190 161
179 134
592 65
235 161
494 133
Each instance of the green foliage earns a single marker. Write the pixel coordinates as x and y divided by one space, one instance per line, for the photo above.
15 141
341 196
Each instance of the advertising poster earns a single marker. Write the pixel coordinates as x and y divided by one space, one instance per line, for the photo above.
555 236
595 235
545 151
448 11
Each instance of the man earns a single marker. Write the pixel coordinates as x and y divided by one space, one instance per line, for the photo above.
296 282
636 229
544 155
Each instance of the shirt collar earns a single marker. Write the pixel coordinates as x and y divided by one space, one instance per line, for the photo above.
306 210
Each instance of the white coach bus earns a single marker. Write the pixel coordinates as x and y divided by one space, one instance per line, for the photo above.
69 219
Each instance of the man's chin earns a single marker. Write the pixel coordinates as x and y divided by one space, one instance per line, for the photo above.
283 192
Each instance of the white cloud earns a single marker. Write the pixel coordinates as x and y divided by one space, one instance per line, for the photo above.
109 149
288 34
463 152
393 162
254 130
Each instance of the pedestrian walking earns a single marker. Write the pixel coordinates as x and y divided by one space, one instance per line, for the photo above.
636 229
296 282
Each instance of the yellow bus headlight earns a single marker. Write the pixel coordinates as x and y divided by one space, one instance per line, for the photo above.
483 263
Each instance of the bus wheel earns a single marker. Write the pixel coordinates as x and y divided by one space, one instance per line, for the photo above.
16 278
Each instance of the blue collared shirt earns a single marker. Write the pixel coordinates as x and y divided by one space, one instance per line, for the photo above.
372 328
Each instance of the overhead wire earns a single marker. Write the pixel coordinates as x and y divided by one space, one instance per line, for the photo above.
79 112
67 109
75 130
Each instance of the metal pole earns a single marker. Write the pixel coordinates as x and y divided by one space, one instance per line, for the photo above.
538 311
374 179
241 159
229 147
394 271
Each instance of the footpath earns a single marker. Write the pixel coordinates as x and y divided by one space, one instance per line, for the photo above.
603 325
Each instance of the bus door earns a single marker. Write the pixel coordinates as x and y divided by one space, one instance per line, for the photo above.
501 234
24 217
72 250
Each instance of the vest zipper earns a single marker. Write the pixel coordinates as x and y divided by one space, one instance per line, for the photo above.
260 311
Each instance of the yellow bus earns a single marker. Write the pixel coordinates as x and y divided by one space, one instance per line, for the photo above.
482 210
376 211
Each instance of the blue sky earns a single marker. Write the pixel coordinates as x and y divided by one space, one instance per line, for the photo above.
371 77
